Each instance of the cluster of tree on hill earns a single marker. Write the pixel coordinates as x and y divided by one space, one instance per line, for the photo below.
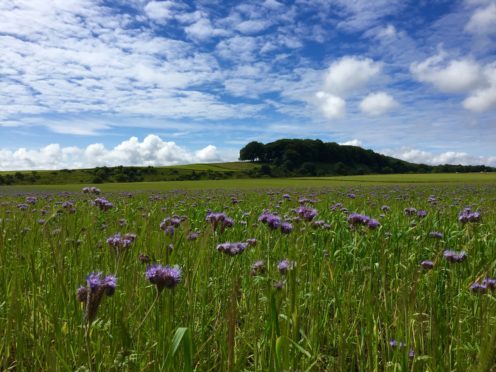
317 158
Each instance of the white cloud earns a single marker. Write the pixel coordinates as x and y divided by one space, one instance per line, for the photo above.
203 30
333 107
159 10
465 75
377 103
353 142
349 74
454 76
449 157
483 21
151 151
484 98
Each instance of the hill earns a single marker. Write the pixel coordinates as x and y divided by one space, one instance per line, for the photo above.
297 157
282 158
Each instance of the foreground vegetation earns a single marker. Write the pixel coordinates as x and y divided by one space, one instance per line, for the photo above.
334 292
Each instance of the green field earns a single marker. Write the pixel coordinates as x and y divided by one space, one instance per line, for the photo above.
273 182
352 295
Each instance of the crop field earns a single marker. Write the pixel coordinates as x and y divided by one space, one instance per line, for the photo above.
338 274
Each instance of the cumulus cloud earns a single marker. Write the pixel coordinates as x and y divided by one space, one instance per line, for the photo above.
483 98
483 21
333 107
377 103
349 74
465 75
151 151
343 77
449 157
452 76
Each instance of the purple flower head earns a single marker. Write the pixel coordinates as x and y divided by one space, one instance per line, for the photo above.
82 294
410 211
219 219
109 284
258 268
170 221
279 285
193 235
119 242
373 224
286 196
427 264
436 234
478 288
468 216
103 204
285 265
385 208
31 200
306 213
336 207
286 227
351 195
94 280
490 283
163 276
273 221
421 213
452 256
251 241
355 219
232 249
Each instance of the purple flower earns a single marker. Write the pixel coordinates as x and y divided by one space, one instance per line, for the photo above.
31 200
285 265
468 216
103 204
452 256
436 234
258 268
251 241
478 288
373 224
170 221
410 211
421 213
286 227
490 283
119 242
385 208
355 219
306 213
193 235
219 219
92 294
427 265
232 249
351 195
163 276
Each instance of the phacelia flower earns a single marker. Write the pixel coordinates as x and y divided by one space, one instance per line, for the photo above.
92 294
163 276
103 204
232 249
258 268
119 242
285 265
427 264
306 213
452 256
468 216
436 234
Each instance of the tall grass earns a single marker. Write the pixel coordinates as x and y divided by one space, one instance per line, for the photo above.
351 293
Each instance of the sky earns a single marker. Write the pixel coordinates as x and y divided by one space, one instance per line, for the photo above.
88 83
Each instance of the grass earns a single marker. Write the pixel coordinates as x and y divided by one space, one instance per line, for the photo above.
351 292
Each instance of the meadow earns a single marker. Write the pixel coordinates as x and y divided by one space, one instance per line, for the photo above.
348 273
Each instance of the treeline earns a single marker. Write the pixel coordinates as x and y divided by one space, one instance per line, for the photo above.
293 157
117 174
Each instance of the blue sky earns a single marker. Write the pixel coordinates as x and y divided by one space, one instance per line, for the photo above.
138 82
